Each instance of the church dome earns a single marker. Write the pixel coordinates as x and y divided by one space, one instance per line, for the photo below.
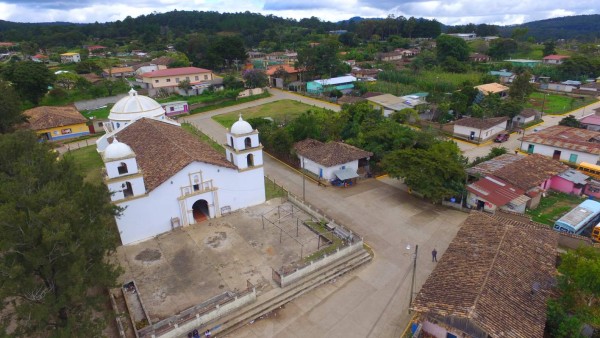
135 106
241 127
117 150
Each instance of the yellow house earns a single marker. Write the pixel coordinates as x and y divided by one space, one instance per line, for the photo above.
70 57
56 123
169 79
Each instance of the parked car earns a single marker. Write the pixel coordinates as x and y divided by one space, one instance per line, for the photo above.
502 137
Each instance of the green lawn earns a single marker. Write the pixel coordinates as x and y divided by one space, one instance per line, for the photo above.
89 163
272 190
278 110
554 206
203 137
101 113
336 242
556 104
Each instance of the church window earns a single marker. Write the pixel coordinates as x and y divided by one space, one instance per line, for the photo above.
248 143
196 187
122 168
231 140
250 160
231 157
127 189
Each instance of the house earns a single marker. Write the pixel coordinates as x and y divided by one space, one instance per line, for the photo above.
176 108
479 130
331 160
503 75
464 36
591 122
493 88
478 57
554 59
164 177
342 83
56 122
96 50
365 74
147 69
279 75
567 144
169 79
39 58
525 116
118 72
389 103
570 181
494 280
491 193
70 57
390 56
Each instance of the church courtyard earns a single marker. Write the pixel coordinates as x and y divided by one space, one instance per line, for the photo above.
185 267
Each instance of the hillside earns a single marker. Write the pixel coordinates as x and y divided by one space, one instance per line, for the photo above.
579 27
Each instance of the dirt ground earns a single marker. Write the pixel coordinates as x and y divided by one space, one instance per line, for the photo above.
188 266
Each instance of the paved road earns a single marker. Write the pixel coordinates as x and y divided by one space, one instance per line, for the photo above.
472 150
373 301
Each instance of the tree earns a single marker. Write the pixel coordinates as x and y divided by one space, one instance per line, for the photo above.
436 172
320 60
67 80
56 237
185 85
30 79
255 78
549 48
570 121
10 108
521 88
405 115
87 66
232 82
224 51
451 46
502 48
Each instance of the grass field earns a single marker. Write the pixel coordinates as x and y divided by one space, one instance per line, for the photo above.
279 110
556 104
89 163
554 206
101 113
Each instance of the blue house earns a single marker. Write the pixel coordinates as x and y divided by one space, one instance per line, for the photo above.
342 83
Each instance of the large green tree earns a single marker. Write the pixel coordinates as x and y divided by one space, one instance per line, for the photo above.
448 46
321 60
31 79
521 88
10 108
435 172
56 236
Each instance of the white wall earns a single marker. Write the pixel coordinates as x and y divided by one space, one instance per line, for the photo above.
485 134
116 188
112 168
564 155
149 216
472 202
315 168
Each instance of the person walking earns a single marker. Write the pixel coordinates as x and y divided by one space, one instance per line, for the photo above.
434 255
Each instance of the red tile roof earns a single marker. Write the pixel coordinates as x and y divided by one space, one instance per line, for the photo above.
555 57
495 190
287 68
331 153
583 140
163 149
497 274
45 117
175 72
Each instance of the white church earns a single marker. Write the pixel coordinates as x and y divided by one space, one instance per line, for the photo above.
165 177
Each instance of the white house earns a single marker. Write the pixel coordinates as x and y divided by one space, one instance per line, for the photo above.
525 116
479 130
164 177
331 160
563 143
70 57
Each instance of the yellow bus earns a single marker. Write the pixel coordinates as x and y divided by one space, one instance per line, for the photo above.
590 169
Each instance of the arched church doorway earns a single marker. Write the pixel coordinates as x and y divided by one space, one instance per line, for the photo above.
200 210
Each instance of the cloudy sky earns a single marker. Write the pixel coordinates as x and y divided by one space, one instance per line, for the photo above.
451 12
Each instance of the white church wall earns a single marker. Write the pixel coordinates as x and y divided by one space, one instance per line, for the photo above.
116 188
112 168
239 140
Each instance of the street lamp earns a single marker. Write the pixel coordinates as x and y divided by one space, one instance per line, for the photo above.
544 103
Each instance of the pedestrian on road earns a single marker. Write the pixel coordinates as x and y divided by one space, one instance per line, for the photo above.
434 255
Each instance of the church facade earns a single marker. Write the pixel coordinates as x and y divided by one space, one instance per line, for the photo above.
164 177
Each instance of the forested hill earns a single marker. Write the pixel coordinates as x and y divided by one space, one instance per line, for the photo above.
579 27
253 28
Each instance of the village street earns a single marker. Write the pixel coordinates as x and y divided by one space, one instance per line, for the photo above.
373 301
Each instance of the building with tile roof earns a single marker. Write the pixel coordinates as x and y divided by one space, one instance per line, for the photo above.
169 79
554 59
54 123
324 159
493 281
479 130
164 177
491 193
563 143
591 122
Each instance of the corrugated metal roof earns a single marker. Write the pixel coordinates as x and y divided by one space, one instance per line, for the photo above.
336 80
495 190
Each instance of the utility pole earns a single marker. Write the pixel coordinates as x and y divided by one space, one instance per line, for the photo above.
412 285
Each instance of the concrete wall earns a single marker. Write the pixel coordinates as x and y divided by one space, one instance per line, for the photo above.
565 153
480 134
65 132
472 202
560 184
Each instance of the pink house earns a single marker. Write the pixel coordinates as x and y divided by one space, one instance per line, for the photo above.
570 182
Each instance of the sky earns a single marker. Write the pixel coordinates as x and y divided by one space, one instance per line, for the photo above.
449 12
